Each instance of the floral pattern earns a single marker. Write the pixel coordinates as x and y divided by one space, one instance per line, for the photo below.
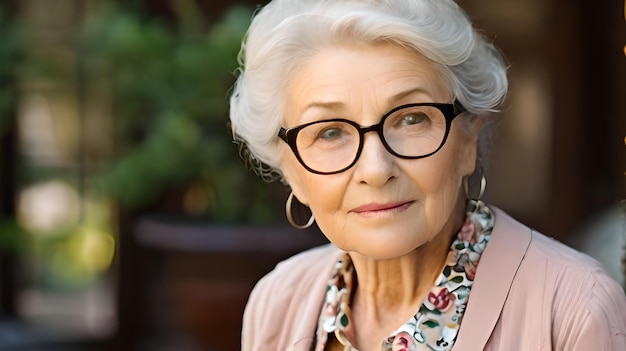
436 324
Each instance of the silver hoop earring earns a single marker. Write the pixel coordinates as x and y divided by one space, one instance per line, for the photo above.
290 217
483 185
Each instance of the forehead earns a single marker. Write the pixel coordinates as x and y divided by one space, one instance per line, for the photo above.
380 76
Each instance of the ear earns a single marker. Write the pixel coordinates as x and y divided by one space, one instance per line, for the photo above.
470 149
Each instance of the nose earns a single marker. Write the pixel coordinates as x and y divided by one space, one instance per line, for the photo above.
375 166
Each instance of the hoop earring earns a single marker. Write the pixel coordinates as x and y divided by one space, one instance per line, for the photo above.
290 217
483 185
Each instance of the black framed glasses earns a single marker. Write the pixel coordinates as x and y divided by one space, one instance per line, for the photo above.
409 131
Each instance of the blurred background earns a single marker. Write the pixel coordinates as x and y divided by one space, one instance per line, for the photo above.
128 221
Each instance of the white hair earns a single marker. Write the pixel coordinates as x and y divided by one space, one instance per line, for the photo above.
285 33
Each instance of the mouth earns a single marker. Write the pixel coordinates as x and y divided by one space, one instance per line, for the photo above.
374 208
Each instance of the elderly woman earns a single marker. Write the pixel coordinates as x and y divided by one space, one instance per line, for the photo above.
375 113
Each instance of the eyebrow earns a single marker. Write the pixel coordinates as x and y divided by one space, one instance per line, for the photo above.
331 105
403 94
334 105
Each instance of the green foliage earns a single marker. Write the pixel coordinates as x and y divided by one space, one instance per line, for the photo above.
170 94
11 235
9 45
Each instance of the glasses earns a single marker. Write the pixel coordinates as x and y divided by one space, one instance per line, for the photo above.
409 131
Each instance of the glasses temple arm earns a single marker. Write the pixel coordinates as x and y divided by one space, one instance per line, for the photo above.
458 107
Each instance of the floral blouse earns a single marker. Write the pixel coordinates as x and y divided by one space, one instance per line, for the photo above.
436 324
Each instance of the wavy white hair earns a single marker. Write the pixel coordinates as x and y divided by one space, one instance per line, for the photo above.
285 33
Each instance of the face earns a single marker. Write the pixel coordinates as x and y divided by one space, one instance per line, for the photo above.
383 207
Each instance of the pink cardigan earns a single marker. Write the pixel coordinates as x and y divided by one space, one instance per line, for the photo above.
530 293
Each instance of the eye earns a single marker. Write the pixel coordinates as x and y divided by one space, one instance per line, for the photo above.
330 133
414 118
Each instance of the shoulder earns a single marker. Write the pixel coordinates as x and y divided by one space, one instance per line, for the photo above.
291 291
540 253
567 292
588 306
562 259
570 270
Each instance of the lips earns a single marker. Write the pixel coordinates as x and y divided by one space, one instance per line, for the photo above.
375 208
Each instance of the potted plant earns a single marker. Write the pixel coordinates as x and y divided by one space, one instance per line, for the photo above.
169 89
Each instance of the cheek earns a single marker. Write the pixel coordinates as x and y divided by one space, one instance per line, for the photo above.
326 195
322 193
445 170
440 205
441 181
461 154
444 180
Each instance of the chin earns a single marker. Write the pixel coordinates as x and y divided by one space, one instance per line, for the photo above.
382 242
384 251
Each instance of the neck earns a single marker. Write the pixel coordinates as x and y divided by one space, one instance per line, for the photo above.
390 291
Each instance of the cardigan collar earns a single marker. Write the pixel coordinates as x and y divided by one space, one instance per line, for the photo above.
495 274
